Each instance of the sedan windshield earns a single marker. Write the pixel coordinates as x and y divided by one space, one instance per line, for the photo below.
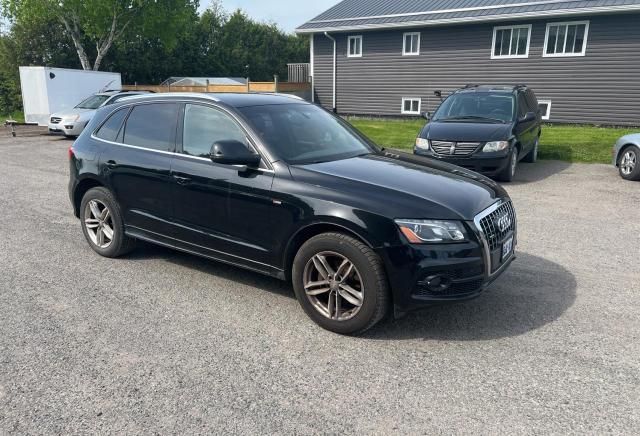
93 102
477 106
303 133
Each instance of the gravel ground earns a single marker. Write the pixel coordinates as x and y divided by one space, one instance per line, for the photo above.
164 342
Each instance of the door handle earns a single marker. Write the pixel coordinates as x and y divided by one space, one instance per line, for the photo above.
111 164
182 180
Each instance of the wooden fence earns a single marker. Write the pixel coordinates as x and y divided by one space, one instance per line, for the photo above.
289 87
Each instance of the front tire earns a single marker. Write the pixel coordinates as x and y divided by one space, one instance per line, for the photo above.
102 223
340 283
628 163
507 174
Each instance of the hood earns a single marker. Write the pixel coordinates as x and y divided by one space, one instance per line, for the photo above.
467 131
402 185
74 111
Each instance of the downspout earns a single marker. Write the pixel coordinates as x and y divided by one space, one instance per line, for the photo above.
334 69
312 67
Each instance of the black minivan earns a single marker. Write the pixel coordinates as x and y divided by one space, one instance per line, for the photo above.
487 129
285 188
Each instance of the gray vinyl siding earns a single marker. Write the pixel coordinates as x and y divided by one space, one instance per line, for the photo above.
602 87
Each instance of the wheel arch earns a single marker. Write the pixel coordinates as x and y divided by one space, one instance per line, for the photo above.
623 148
82 187
310 230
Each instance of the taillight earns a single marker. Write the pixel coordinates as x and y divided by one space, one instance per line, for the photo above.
71 155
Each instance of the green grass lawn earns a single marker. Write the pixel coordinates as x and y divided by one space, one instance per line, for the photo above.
17 116
568 143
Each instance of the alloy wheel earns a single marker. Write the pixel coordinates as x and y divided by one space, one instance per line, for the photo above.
333 286
99 224
628 162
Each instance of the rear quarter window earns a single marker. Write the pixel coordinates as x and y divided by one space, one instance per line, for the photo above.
111 128
152 126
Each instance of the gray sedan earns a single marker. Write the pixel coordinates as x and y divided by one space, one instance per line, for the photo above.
626 154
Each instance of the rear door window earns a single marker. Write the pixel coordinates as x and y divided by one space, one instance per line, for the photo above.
110 129
152 126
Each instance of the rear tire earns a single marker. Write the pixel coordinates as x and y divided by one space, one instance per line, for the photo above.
629 163
102 223
507 174
346 300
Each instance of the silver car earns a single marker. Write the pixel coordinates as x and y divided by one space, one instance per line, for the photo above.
71 122
626 154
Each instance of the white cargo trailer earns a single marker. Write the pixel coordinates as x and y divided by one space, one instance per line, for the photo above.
47 90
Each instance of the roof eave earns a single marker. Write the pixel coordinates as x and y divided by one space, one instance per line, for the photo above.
478 19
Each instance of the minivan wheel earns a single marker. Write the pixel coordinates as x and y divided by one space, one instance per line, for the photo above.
507 174
628 164
340 283
532 156
102 223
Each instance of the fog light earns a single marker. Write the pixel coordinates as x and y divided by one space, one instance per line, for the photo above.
437 283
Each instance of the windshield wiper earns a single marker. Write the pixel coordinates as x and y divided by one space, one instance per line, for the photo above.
471 117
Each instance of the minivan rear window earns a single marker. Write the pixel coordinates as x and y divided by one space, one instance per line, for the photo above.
152 126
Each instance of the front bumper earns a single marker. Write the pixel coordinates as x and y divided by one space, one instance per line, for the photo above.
489 164
466 268
67 128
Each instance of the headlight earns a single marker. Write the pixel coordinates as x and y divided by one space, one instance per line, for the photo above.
422 143
420 231
495 146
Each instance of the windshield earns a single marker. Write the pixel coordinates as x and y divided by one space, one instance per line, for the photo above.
498 107
93 102
304 133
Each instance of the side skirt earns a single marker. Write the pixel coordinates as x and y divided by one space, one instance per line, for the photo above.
165 241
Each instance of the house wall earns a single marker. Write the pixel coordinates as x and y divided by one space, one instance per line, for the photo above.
602 87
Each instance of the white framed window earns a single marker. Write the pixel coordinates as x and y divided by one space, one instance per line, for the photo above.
354 46
566 39
545 108
411 105
511 42
411 44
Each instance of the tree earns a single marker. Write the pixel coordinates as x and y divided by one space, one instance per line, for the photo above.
258 50
103 22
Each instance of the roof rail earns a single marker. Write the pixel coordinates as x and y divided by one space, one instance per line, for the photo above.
470 85
281 94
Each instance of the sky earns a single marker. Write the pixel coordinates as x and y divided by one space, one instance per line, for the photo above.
287 14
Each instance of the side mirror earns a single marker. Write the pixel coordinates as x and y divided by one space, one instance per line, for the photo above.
232 152
529 116
426 115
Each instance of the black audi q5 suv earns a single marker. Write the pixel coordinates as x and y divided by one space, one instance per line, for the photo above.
280 186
